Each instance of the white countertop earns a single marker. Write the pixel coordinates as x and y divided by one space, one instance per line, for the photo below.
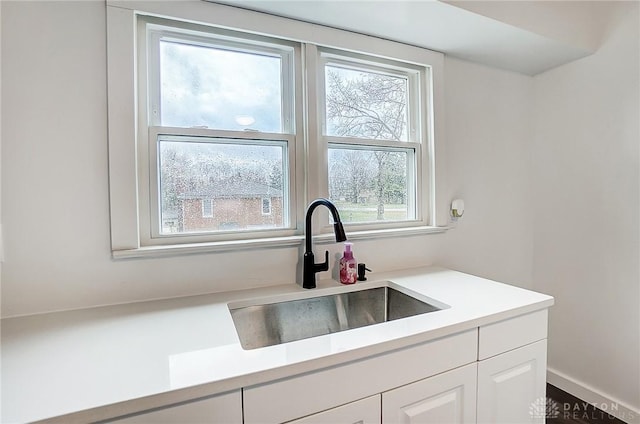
109 361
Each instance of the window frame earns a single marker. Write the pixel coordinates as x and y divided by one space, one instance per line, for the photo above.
397 68
210 207
154 30
151 31
123 94
417 94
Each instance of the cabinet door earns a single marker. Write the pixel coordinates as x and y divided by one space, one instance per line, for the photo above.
443 399
222 409
306 394
364 411
512 386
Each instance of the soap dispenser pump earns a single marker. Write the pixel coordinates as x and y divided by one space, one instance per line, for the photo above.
348 266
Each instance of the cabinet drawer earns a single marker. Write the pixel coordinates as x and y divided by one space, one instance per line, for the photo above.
364 411
224 408
318 391
512 333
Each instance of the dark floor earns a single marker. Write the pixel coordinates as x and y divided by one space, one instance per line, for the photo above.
570 409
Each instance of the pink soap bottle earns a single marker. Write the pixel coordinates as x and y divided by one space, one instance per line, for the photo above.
348 266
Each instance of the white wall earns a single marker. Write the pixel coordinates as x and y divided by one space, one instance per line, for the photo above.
488 118
55 197
586 226
1 243
551 191
56 188
1 238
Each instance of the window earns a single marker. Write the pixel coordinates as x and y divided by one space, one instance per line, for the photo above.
234 174
372 184
221 135
219 127
207 208
211 83
373 135
266 206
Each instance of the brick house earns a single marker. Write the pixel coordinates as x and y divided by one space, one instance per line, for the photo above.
230 206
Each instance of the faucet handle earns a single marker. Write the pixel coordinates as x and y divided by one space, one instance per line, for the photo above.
362 270
322 266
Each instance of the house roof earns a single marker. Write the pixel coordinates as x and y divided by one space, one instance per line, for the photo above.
234 189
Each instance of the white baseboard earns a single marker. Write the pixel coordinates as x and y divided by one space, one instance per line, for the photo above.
604 402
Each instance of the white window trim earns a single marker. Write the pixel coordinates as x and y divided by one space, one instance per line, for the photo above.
122 109
147 142
210 204
156 238
417 137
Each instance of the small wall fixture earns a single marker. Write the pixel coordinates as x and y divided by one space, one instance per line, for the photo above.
457 208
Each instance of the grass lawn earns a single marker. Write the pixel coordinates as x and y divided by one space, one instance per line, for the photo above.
367 212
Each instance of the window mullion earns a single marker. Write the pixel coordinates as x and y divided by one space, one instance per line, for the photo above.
148 99
316 147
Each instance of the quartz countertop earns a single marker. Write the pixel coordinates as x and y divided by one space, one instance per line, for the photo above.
104 362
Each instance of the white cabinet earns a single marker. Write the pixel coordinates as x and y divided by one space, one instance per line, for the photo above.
364 411
221 409
512 333
491 374
306 394
448 398
512 386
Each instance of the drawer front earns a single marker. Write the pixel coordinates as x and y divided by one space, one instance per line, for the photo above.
365 411
512 333
225 408
307 394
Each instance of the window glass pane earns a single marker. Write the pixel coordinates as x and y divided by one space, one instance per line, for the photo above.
365 104
220 89
207 208
220 186
266 205
370 185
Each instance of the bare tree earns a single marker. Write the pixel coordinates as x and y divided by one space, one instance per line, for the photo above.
368 105
350 173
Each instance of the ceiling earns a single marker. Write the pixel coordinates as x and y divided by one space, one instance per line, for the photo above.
528 37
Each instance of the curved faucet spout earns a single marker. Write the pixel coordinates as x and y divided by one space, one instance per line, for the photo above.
310 268
338 229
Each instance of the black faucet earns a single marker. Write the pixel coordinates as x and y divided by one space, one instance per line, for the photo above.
309 266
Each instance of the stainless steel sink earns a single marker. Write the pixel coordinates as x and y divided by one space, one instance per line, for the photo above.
270 323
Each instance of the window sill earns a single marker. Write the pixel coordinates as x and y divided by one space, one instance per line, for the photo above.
234 245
